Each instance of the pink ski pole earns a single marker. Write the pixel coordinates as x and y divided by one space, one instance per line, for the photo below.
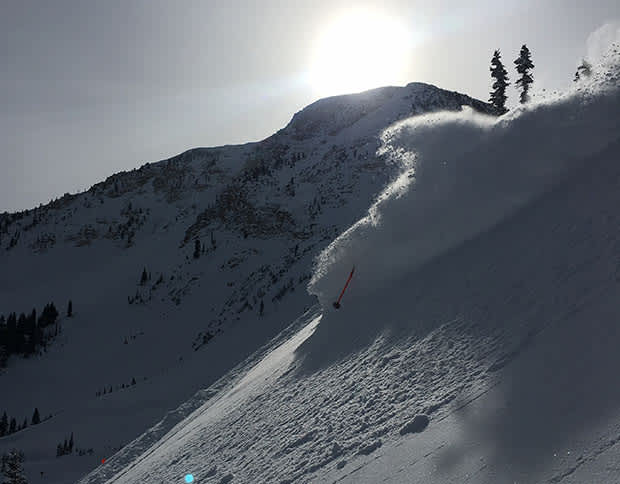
337 303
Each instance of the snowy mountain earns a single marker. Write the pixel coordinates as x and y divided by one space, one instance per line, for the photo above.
477 341
167 268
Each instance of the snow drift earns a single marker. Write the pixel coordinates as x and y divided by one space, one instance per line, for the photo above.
450 191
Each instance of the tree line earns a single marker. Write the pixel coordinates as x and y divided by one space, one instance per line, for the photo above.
105 390
65 448
26 333
10 426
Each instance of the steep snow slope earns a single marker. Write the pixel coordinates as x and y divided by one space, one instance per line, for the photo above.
501 325
550 410
261 212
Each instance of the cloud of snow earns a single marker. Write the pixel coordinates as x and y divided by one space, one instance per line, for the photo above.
601 39
463 173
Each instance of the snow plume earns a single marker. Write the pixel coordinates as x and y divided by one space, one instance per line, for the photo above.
463 173
601 39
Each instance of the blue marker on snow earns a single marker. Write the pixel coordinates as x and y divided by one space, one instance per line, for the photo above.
189 478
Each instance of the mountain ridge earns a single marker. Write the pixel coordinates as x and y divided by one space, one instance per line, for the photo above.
260 211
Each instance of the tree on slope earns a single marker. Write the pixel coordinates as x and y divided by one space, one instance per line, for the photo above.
36 418
144 277
524 65
4 425
498 95
14 473
196 248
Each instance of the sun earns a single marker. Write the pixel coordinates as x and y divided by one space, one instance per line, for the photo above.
359 50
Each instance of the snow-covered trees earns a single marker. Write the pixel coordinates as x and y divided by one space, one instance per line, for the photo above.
524 65
13 470
498 94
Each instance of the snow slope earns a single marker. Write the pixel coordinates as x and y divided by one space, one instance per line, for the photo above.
485 297
261 213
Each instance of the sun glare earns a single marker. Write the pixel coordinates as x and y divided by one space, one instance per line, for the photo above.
359 50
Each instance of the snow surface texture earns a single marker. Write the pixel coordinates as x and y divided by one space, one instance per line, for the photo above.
485 286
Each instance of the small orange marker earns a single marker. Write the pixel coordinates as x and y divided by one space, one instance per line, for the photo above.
103 461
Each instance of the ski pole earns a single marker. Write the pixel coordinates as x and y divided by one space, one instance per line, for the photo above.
337 303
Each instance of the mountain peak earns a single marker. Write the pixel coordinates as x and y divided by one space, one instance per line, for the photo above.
330 116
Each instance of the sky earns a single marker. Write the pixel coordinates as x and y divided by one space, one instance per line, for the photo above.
91 88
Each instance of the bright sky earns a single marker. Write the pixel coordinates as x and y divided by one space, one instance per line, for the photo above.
89 88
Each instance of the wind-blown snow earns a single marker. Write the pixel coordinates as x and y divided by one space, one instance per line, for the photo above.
477 282
463 173
599 41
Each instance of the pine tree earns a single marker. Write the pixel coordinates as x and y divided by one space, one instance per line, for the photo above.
65 448
70 309
498 95
12 426
262 307
196 248
144 277
53 313
524 65
25 424
58 450
4 425
133 381
11 334
14 471
36 418
71 443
